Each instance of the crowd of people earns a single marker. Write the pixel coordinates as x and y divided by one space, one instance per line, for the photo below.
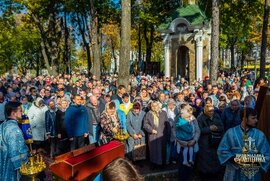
179 121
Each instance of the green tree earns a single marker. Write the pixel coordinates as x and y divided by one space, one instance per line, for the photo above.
79 13
27 52
237 25
112 38
151 13
45 15
6 45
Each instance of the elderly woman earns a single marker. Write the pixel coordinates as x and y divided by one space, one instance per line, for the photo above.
109 121
134 127
157 126
211 132
172 111
36 116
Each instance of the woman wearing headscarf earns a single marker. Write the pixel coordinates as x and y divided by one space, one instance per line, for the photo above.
157 126
36 116
109 121
134 127
172 111
126 106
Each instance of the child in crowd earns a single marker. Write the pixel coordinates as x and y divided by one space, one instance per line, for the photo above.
185 132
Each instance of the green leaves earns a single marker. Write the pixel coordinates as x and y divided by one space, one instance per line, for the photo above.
237 23
19 45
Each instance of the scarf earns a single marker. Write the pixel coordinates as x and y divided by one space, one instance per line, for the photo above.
126 105
171 113
155 116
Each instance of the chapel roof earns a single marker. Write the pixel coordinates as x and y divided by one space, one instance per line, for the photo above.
192 13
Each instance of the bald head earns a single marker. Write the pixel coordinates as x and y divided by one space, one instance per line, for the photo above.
97 92
93 100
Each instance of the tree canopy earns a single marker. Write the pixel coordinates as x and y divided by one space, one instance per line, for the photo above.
65 35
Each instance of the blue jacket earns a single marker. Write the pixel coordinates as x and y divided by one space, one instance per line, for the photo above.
123 119
76 121
230 118
134 123
184 130
121 115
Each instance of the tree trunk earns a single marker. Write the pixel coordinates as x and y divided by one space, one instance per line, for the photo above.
66 51
46 58
214 41
232 56
85 43
55 48
264 38
38 68
44 50
123 78
139 44
114 56
243 60
149 42
95 43
37 71
88 51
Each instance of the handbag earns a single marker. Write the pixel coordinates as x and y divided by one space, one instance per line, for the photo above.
139 152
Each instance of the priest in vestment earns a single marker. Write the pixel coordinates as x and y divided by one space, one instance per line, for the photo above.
232 144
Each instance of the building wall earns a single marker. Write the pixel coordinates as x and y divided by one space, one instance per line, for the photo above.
187 40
